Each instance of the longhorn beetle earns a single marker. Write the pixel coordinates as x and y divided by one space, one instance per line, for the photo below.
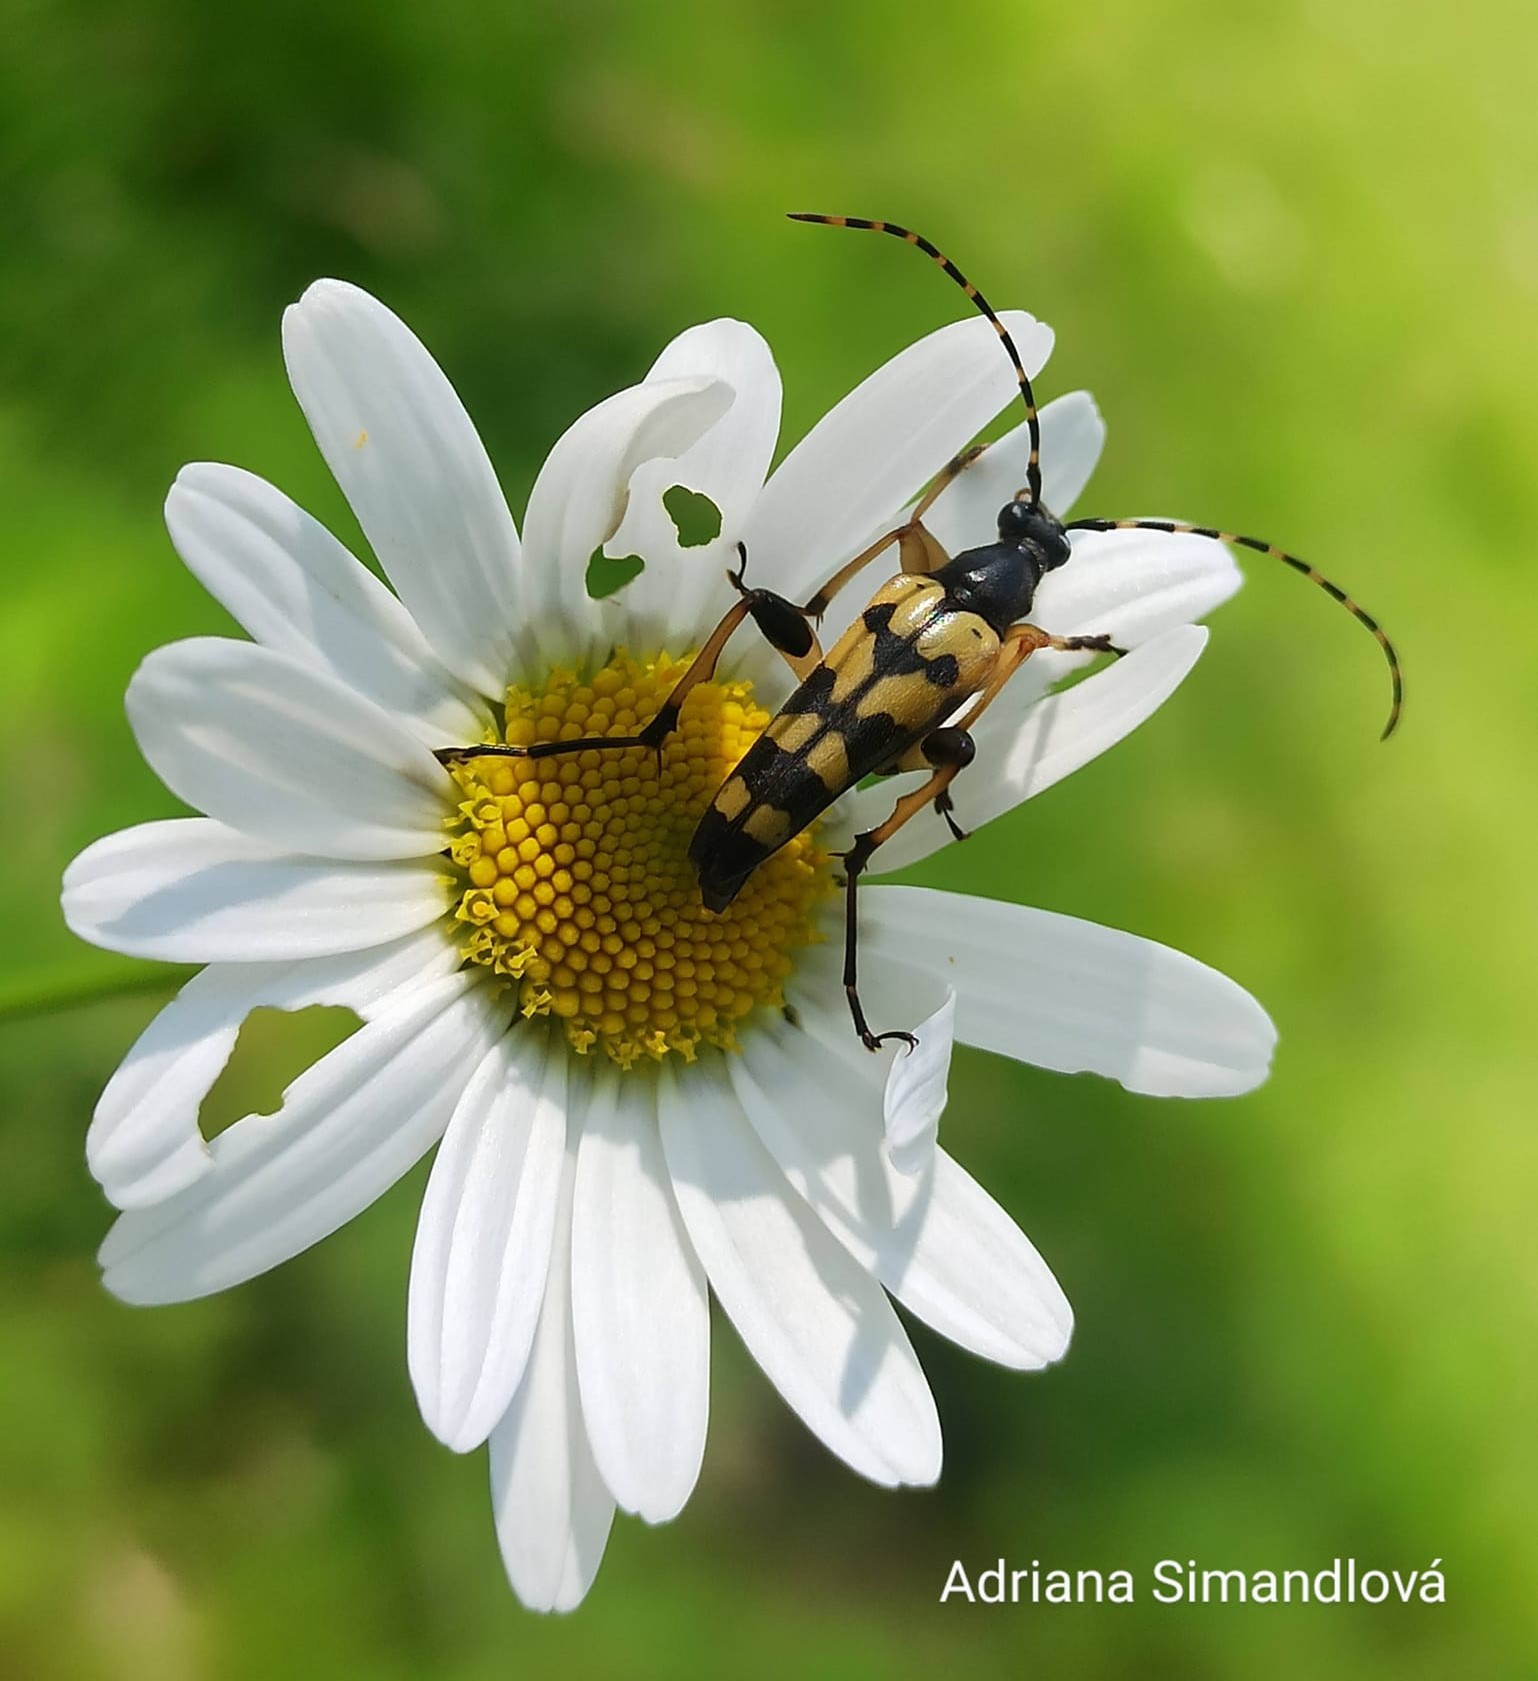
944 633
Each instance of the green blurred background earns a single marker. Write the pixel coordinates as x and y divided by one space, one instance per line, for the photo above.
1294 251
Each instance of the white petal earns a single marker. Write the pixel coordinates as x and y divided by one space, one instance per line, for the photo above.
552 1510
483 1239
1073 996
189 890
144 1144
413 468
682 589
936 1240
966 513
810 1315
1134 585
580 497
640 1311
1022 749
916 1090
864 459
348 1128
285 754
294 587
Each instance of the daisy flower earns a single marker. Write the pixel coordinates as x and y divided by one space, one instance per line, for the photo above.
637 1104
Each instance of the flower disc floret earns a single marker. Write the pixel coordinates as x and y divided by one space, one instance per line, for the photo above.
577 882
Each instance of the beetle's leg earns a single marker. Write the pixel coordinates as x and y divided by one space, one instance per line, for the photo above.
918 549
1101 644
948 751
945 807
1018 644
920 756
786 627
658 728
952 470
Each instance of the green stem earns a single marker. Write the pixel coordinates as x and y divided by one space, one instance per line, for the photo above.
72 992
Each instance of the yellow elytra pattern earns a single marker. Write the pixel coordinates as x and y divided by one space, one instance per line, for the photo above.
577 883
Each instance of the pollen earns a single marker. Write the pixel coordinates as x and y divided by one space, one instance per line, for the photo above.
577 886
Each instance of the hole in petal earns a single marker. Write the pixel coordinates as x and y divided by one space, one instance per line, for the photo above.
696 518
605 575
274 1048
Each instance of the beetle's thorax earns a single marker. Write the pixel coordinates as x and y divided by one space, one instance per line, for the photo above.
999 581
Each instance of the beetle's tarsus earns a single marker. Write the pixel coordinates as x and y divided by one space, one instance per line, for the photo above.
945 806
874 1041
482 750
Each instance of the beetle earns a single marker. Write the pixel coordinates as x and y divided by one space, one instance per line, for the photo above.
902 687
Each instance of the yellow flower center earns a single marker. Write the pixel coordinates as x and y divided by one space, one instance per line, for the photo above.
577 881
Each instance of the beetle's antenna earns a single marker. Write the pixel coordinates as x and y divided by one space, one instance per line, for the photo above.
1309 572
1033 467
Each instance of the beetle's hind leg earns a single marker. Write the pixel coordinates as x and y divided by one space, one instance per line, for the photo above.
948 751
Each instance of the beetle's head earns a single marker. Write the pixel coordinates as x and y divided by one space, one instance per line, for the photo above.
1033 527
